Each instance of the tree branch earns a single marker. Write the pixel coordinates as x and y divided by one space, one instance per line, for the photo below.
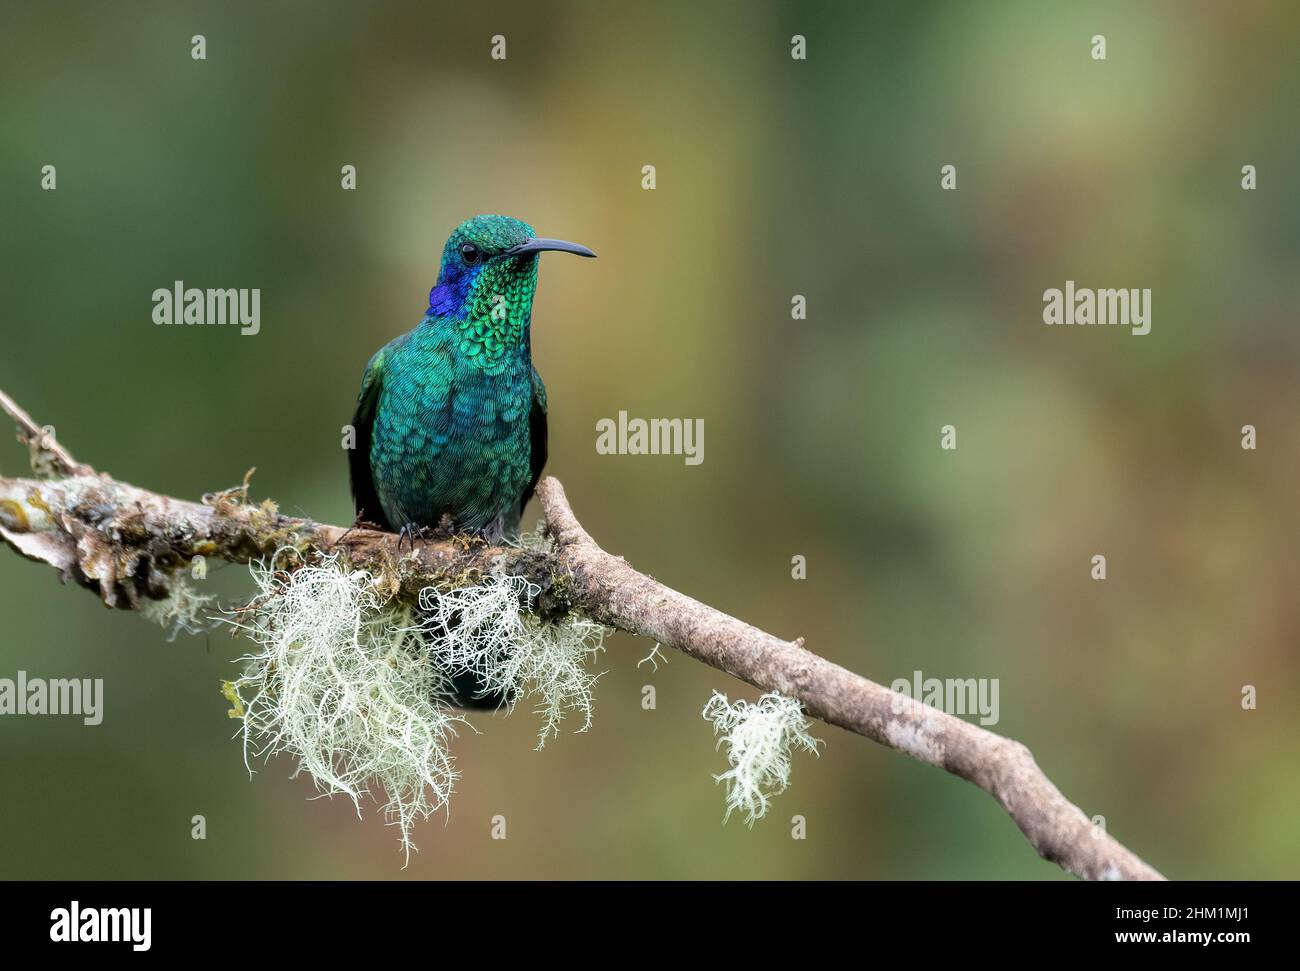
128 545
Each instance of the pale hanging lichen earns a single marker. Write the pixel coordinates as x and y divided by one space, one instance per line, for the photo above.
654 657
355 687
758 738
342 684
182 610
488 630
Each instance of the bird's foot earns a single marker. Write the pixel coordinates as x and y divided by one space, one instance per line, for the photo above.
410 533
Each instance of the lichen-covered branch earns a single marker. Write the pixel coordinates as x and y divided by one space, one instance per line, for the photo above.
129 545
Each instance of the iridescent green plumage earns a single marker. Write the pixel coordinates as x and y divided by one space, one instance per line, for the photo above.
451 420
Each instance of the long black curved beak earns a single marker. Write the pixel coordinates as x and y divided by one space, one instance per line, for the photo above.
542 244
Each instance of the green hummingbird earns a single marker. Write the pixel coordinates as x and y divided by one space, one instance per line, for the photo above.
451 418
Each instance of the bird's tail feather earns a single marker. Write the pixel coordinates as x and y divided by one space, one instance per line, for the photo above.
469 692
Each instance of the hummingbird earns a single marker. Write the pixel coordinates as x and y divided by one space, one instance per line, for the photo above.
450 421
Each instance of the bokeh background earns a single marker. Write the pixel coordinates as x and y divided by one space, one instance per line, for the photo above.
775 177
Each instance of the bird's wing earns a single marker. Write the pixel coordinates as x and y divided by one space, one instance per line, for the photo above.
364 495
536 438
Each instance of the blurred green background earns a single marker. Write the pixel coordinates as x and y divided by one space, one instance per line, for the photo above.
775 177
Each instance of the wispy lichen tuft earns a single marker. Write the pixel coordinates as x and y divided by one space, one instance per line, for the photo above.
538 539
758 738
488 630
355 687
182 610
342 683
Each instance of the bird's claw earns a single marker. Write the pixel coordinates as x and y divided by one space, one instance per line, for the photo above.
410 532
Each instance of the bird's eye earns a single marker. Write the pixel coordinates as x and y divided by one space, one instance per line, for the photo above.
470 253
